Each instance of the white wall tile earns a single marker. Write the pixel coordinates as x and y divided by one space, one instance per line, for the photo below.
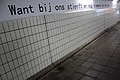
31 21
17 32
3 38
22 51
34 55
28 58
33 63
28 74
29 65
24 76
20 77
5 26
24 41
9 57
22 69
28 22
40 28
18 54
4 77
26 67
4 59
1 49
35 20
15 44
11 65
24 59
2 70
20 23
20 42
26 32
24 23
15 23
18 71
34 70
8 36
33 47
31 72
31 39
36 29
9 75
1 28
16 63
11 26
6 66
14 73
34 38
36 46
36 61
13 35
31 56
13 54
38 20
20 61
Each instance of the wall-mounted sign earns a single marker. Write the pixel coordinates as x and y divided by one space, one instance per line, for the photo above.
15 9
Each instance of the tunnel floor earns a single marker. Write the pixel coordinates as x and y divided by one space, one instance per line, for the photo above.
100 60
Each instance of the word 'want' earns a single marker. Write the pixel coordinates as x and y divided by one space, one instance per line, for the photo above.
18 11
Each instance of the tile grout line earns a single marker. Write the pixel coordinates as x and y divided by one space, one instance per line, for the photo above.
48 40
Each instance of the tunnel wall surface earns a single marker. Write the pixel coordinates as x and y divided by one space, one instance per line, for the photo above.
29 45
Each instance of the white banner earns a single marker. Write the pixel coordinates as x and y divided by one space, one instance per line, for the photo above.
15 9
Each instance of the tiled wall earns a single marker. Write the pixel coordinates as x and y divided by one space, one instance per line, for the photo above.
29 45
110 17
